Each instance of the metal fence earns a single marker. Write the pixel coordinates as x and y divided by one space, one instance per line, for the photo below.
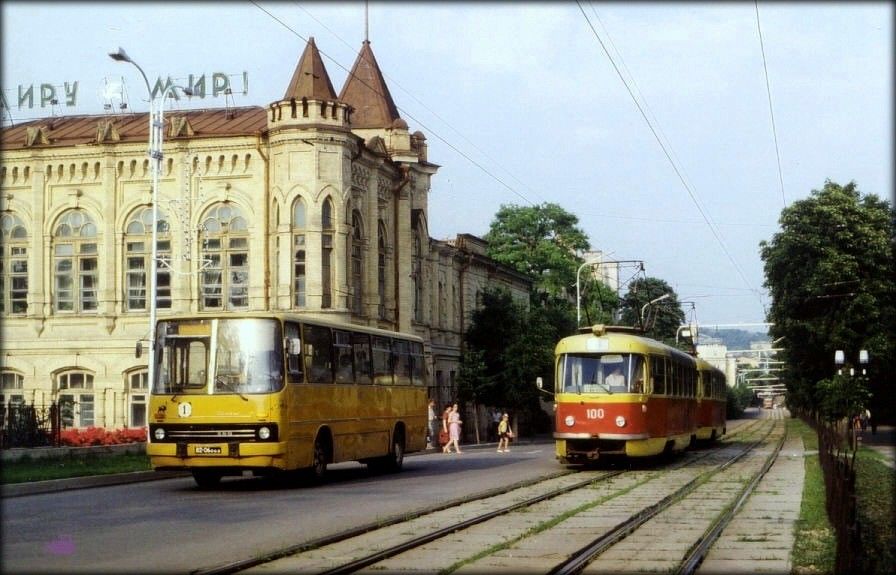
30 426
837 457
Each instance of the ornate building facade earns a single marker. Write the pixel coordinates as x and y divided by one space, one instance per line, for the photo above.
317 203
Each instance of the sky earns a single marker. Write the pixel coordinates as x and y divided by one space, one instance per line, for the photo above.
675 132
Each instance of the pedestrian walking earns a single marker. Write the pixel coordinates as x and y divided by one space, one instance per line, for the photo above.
505 434
496 420
454 423
433 434
443 434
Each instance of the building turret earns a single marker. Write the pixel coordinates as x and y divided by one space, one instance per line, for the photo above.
310 99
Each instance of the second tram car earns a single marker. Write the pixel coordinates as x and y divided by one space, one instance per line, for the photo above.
712 401
620 393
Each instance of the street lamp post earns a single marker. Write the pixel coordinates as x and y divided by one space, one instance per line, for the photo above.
156 110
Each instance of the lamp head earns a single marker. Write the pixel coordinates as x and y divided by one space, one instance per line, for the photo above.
120 55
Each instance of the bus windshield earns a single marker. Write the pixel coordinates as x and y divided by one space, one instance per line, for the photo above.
219 356
601 373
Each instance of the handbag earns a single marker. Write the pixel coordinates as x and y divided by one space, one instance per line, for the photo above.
510 435
443 437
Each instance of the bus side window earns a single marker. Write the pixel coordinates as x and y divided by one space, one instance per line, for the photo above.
382 361
342 352
417 364
361 348
318 344
402 363
294 371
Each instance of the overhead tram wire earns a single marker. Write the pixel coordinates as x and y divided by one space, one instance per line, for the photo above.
684 183
771 110
404 112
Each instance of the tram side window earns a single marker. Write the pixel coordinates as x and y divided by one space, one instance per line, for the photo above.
402 362
361 349
658 374
382 360
417 375
342 352
318 354
294 371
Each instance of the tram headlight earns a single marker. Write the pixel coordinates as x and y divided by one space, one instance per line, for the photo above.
620 421
569 421
159 434
264 433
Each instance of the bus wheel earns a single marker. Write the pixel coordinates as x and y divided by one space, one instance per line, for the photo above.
206 478
318 470
391 463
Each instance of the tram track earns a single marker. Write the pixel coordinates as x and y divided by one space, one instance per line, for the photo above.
514 518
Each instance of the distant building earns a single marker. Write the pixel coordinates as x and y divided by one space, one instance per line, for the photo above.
316 203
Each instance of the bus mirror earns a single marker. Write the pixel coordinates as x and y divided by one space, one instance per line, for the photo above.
539 382
139 350
294 346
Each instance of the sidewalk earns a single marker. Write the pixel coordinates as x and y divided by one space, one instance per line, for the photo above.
884 442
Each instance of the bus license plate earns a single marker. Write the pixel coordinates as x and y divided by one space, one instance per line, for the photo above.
208 450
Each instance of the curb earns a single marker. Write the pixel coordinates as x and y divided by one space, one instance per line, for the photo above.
59 485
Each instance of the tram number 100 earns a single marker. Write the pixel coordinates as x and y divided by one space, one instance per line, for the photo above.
594 413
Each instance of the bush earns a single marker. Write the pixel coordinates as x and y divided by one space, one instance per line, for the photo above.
99 436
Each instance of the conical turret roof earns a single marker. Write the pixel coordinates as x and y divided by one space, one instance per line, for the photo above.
310 79
366 92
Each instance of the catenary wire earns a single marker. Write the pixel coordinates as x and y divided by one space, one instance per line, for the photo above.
771 110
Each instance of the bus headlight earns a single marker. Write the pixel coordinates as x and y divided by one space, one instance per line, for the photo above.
620 421
264 433
569 421
159 434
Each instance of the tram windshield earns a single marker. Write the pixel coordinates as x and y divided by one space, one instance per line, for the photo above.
219 356
601 373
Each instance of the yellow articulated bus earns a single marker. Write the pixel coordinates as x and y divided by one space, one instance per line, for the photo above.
276 392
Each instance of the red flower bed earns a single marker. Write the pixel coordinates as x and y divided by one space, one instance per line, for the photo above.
99 436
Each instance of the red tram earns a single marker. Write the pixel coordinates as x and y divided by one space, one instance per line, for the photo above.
620 393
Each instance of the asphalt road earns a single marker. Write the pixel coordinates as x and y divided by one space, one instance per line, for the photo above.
171 526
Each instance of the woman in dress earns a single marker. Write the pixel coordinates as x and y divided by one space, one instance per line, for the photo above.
454 424
446 446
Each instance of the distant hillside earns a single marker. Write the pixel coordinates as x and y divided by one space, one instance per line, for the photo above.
732 338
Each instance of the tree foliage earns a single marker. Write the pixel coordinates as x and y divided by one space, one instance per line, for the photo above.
507 346
830 272
662 319
540 241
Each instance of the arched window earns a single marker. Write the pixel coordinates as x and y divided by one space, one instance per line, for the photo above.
138 253
224 236
357 264
75 398
14 270
137 389
75 263
381 268
326 253
299 224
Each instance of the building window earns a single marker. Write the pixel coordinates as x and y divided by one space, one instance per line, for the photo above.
224 282
75 263
137 260
326 254
357 265
299 223
381 269
11 380
13 265
75 398
417 274
137 390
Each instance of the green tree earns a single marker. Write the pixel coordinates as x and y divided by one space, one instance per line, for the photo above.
540 241
662 319
507 347
830 272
